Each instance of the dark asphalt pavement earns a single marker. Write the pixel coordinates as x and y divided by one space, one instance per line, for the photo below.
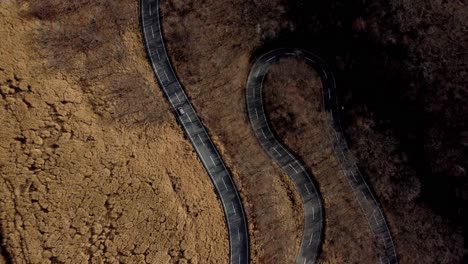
196 132
313 222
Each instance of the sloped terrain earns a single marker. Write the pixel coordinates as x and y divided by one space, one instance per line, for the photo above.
293 100
90 153
210 43
93 165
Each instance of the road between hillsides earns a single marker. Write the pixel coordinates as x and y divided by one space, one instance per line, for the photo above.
214 165
313 217
196 132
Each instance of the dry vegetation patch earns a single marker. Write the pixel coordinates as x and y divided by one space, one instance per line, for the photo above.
210 43
92 164
293 101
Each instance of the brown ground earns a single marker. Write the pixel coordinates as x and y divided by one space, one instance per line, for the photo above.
400 67
92 164
210 45
80 135
293 99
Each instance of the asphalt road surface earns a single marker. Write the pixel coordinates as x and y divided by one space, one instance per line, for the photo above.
208 154
311 200
195 131
311 239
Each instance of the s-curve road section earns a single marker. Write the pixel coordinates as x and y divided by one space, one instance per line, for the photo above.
311 238
311 200
195 131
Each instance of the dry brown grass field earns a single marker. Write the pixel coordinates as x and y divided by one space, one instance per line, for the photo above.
93 166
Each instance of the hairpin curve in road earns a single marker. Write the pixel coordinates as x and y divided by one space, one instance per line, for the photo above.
313 216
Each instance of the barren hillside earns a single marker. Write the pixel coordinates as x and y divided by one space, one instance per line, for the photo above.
92 164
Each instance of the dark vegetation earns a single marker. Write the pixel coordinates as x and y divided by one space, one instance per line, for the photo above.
401 70
293 99
400 67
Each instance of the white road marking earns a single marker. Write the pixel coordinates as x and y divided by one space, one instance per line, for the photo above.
324 73
310 240
224 183
329 94
307 189
285 151
239 258
290 54
256 75
201 140
270 59
305 260
178 99
167 77
157 53
279 154
212 160
152 31
188 116
292 167
311 60
264 134
150 11
313 213
256 112
234 208
238 235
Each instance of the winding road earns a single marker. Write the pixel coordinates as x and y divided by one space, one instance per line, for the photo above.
214 165
310 197
196 132
311 200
